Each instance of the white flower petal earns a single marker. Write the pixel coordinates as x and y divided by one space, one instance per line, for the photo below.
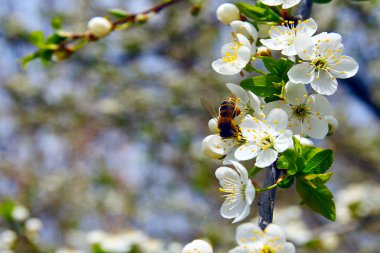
274 44
272 2
225 68
283 141
254 102
250 192
243 214
346 68
317 128
238 250
266 158
305 46
197 246
247 231
223 173
319 104
279 104
233 209
275 232
301 73
304 141
277 119
248 152
287 248
308 26
295 93
244 28
242 171
290 3
239 92
213 146
290 50
325 84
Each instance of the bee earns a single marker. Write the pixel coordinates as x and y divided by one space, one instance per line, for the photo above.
228 110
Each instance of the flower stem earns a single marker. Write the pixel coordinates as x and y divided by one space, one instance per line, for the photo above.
267 188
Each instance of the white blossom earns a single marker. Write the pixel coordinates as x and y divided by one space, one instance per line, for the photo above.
247 30
251 238
322 62
239 191
33 225
197 246
286 4
282 37
217 147
235 56
264 139
307 114
226 13
99 26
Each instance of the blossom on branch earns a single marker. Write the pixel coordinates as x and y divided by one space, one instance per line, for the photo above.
322 62
282 37
239 192
252 239
264 139
307 114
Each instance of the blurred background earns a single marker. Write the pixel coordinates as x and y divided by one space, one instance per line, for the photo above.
106 146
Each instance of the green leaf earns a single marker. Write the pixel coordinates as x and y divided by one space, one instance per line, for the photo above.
37 38
262 13
282 163
45 56
118 13
309 151
318 178
264 86
291 161
319 163
297 145
286 182
24 61
278 67
56 23
55 39
318 197
321 1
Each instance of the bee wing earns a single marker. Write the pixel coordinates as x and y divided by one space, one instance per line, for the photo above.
208 107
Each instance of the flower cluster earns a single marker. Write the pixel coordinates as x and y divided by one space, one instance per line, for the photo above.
270 117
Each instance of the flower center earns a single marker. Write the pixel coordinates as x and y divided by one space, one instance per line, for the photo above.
233 190
301 112
267 249
266 142
320 63
232 57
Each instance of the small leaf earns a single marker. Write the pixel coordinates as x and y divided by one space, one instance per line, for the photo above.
309 151
318 198
297 145
286 182
261 13
37 38
282 163
295 163
24 61
56 23
318 178
278 67
319 163
264 86
118 13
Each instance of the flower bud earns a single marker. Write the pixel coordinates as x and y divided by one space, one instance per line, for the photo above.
142 18
20 213
212 146
99 26
197 246
227 13
264 51
333 124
